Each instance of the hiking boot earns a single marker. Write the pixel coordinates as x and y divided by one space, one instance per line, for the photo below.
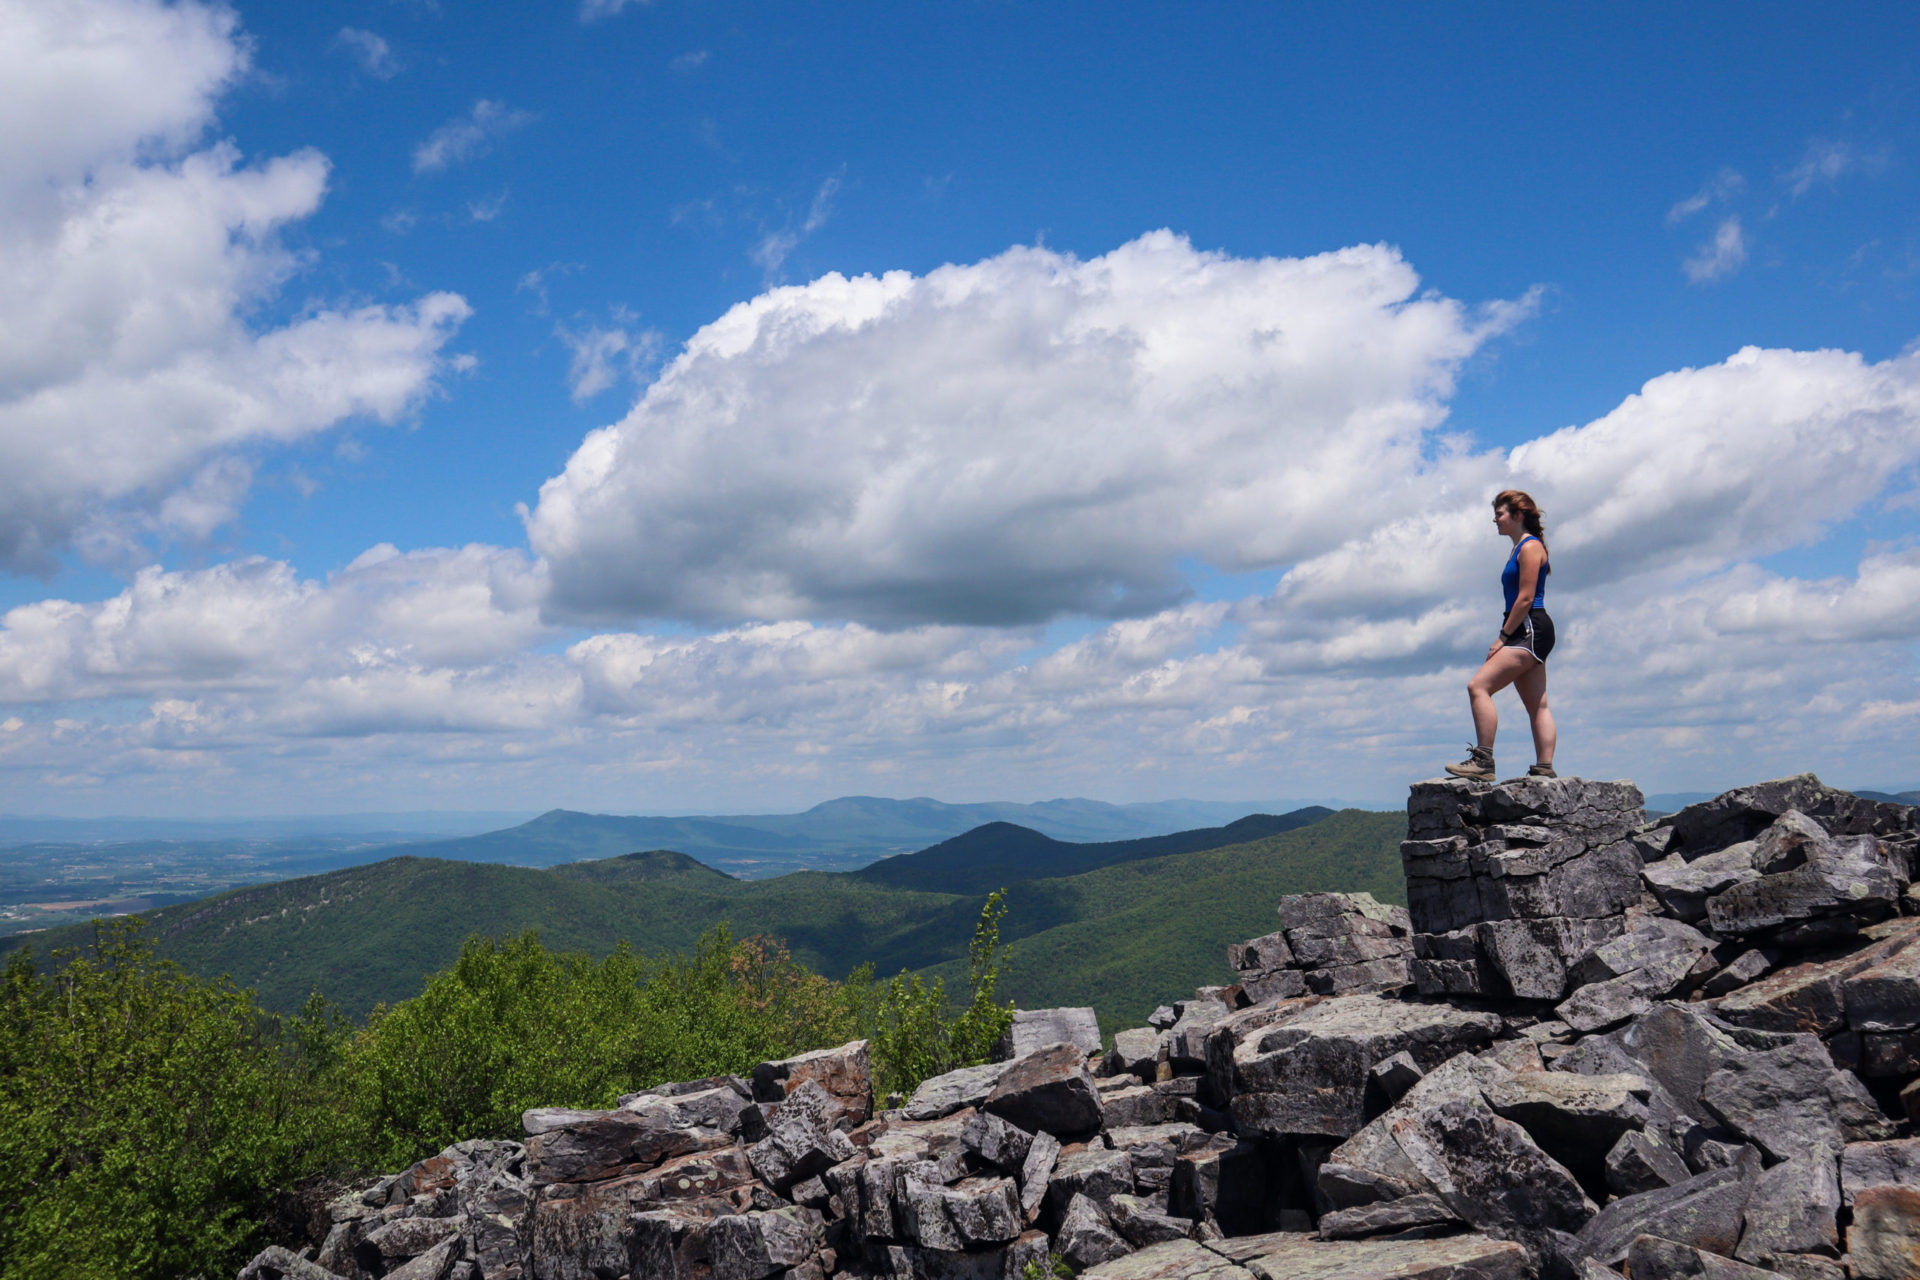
1478 765
1541 771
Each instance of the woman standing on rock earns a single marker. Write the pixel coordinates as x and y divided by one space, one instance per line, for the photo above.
1518 656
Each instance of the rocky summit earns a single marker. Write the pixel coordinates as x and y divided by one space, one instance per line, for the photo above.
1589 1046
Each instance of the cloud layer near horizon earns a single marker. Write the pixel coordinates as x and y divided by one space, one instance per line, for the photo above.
435 671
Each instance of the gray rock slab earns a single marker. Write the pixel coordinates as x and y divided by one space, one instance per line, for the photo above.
1036 1173
1095 1172
1273 984
407 1237
1490 1172
1385 1217
1141 1224
1794 1208
1576 1119
1333 1044
1670 1260
1674 1045
1037 1028
1850 880
1743 970
942 1095
1884 995
1371 1165
434 1264
1744 812
1705 1212
276 1262
1135 1050
1808 997
1638 1162
1683 887
1141 1104
1174 1260
749 1246
1396 1074
570 1146
970 1213
1269 951
1461 1257
1086 1238
1793 1099
1049 1089
1653 943
996 1141
993 1262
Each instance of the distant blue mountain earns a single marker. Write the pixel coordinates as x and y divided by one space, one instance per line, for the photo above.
836 835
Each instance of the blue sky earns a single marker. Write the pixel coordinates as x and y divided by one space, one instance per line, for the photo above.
1021 529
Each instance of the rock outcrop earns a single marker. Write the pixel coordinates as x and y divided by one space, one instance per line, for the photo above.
1590 1045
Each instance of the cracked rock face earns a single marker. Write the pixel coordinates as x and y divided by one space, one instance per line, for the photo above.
1589 1043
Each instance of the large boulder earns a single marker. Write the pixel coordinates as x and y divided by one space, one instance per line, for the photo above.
1330 944
1794 1209
942 1095
1792 1100
1050 1089
574 1146
1037 1028
1301 1257
1825 888
1508 886
1744 812
1309 1074
844 1075
1706 1212
750 1246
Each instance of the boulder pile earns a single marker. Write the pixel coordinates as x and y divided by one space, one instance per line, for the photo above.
1589 1046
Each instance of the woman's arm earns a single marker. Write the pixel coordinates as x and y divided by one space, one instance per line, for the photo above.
1532 556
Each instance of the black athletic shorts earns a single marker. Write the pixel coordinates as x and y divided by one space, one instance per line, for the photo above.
1536 634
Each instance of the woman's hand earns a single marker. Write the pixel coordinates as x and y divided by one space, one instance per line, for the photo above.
1496 647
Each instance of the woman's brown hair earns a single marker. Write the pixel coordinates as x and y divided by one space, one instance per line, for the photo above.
1523 505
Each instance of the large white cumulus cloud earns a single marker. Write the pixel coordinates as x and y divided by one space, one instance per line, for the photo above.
1011 440
129 264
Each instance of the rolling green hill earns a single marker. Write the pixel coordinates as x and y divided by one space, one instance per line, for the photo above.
1121 938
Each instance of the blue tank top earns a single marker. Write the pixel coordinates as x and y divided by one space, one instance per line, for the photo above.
1510 576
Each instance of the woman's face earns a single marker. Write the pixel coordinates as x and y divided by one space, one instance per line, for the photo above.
1505 521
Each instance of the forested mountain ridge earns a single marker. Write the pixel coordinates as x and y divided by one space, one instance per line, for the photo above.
371 934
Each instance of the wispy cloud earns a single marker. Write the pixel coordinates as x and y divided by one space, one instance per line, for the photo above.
1826 161
1721 256
1723 186
594 10
371 51
464 137
774 247
606 354
691 60
487 210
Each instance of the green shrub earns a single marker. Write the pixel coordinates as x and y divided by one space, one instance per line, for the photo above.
146 1116
914 1035
512 1025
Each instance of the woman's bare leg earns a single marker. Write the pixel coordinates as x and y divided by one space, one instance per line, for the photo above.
1532 687
1495 674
